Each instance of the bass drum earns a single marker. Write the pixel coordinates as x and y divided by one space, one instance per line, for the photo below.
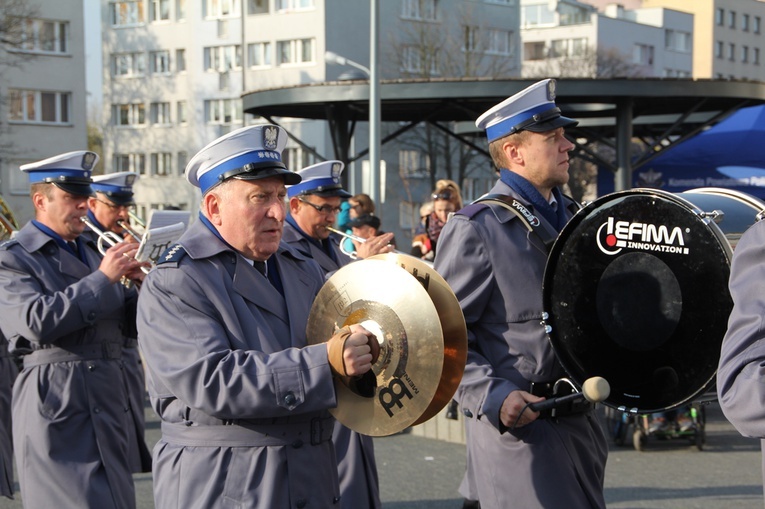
636 291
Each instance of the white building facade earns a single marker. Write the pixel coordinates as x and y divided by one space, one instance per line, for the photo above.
42 91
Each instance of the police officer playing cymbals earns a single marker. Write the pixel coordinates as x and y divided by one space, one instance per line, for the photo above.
222 321
66 314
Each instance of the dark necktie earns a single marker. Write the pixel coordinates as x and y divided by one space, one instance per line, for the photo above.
73 247
260 266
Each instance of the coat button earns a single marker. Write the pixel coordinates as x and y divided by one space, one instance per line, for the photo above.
91 367
289 399
92 315
300 503
297 444
96 410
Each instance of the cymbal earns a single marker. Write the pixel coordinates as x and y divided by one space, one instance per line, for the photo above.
389 302
452 324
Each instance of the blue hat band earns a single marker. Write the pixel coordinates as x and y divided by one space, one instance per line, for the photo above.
514 123
62 175
313 185
230 168
108 188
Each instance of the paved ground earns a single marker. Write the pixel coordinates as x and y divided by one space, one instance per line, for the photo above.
422 473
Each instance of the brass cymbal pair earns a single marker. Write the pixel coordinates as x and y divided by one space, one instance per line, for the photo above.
423 339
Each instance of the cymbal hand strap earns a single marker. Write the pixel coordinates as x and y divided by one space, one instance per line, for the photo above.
335 348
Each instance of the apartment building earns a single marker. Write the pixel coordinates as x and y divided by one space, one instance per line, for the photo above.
568 38
42 92
728 41
175 70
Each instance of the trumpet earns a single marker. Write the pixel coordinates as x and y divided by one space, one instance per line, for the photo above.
132 231
109 237
362 240
137 220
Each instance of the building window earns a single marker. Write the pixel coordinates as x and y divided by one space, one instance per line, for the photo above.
297 157
183 158
221 8
719 49
259 54
160 10
676 40
745 54
643 54
756 27
470 40
534 50
568 47
417 61
421 10
223 58
180 10
44 36
537 15
223 111
128 65
413 164
745 22
126 13
500 42
297 51
38 107
732 19
161 164
182 112
180 60
160 62
130 162
293 5
719 17
257 6
756 56
731 52
129 114
160 113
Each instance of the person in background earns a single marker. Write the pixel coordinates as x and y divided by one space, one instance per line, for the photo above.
495 267
367 226
741 369
109 210
446 199
314 204
242 397
359 205
66 315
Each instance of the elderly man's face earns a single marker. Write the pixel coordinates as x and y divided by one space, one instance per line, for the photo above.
61 211
313 214
249 214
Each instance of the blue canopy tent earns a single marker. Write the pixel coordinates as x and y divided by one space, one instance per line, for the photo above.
730 155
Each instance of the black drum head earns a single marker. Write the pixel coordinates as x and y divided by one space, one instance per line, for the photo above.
636 291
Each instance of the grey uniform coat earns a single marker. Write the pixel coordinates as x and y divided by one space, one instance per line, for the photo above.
742 360
243 401
140 456
8 374
495 268
359 484
70 412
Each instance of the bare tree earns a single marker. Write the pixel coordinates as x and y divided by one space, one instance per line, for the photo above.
588 63
14 15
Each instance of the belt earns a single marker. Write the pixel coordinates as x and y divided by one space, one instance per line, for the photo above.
109 350
545 390
246 434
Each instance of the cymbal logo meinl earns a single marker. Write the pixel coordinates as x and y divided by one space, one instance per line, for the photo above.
613 236
391 396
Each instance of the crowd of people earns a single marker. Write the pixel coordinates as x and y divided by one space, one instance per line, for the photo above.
220 320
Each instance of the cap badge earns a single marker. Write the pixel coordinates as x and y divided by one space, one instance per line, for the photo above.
551 90
270 135
88 159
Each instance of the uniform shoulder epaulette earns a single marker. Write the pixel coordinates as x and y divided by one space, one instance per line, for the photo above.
8 243
471 210
173 254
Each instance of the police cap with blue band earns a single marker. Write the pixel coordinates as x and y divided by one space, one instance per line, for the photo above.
70 172
321 179
531 109
118 187
249 153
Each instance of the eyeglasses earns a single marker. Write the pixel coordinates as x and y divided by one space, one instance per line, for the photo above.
116 207
443 195
323 209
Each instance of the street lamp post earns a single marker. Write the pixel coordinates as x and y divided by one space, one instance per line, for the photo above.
374 100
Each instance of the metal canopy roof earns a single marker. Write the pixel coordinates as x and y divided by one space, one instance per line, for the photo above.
660 112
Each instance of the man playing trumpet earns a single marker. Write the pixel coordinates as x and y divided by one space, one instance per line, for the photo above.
66 314
108 210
